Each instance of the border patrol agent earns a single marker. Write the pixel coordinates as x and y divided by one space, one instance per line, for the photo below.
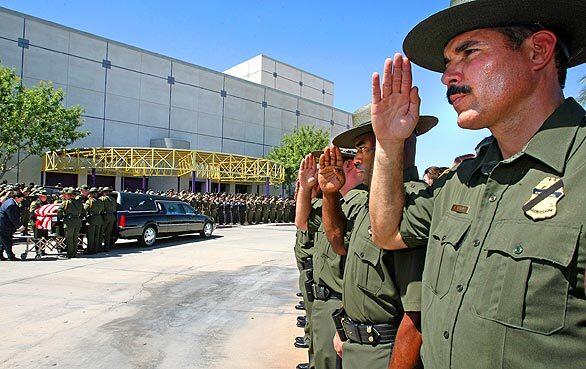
307 220
108 217
40 201
328 268
71 211
379 286
503 285
93 209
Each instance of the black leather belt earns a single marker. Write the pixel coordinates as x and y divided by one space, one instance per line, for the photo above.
369 334
307 263
323 292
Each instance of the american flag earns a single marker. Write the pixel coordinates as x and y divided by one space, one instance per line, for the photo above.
46 215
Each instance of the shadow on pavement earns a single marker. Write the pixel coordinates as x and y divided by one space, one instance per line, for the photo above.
122 247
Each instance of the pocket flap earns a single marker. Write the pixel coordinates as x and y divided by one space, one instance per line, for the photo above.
369 253
555 243
451 231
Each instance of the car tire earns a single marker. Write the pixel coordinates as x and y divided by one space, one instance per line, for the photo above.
149 236
208 228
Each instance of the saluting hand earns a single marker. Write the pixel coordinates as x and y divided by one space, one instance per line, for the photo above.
307 174
395 108
331 177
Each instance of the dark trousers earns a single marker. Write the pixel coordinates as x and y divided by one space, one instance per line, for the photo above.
6 244
40 233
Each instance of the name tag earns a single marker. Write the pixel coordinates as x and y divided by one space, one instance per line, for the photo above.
461 209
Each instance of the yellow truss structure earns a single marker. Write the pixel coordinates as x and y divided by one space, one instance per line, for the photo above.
138 162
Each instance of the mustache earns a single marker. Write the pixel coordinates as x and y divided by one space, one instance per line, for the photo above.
452 90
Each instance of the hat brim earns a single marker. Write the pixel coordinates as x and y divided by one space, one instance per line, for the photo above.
425 43
318 153
346 138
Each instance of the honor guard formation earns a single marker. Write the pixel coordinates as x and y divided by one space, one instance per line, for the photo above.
92 212
480 265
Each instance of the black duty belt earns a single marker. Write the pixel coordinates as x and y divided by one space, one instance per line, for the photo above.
369 334
307 263
323 292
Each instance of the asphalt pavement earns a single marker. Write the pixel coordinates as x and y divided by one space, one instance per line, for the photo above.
187 302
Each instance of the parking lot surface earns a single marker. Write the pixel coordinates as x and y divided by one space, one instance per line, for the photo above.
187 302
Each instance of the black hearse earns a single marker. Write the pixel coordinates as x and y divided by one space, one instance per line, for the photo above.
145 217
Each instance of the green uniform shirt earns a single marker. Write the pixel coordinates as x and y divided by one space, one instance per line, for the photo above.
71 211
501 289
380 285
327 265
34 206
110 207
94 208
305 239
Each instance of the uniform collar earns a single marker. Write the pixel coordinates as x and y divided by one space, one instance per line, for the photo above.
354 192
550 145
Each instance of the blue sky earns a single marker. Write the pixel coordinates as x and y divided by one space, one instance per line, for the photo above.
343 41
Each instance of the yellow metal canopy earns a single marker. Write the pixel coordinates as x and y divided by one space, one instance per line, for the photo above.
137 161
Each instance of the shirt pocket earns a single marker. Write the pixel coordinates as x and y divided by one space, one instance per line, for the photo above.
369 273
442 253
524 280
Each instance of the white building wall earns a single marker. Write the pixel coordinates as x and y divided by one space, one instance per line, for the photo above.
131 96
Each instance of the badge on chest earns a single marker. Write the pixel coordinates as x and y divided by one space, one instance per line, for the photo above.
543 201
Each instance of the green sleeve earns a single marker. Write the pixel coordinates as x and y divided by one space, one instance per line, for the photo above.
314 219
351 209
416 222
409 269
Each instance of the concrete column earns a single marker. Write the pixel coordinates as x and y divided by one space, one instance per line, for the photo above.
144 183
267 187
81 179
93 177
118 183
192 181
231 188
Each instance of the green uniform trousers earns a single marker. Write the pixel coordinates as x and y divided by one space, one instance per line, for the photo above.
308 309
93 234
357 356
107 232
72 238
322 334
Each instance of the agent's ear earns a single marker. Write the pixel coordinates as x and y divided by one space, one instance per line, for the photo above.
541 47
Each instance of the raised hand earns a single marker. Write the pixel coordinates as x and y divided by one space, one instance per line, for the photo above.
395 108
307 174
331 177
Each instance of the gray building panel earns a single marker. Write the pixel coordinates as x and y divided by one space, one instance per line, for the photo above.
129 98
10 55
11 26
91 101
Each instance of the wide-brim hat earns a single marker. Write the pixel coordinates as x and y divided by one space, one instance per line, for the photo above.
425 44
67 191
363 124
346 153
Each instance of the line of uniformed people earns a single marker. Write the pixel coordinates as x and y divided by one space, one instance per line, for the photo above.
241 209
355 295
